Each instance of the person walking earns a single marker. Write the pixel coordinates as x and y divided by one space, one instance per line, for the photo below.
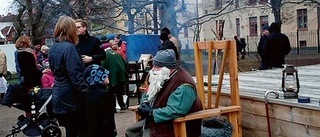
69 89
171 94
118 76
89 46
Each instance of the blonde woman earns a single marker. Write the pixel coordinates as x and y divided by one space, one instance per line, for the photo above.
69 86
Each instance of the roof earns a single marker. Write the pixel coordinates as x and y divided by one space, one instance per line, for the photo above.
9 18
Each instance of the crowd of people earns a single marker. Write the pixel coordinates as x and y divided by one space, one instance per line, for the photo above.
87 75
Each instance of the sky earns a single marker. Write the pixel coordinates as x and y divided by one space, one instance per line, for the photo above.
4 7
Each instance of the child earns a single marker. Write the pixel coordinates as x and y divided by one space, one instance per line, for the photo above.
99 103
47 77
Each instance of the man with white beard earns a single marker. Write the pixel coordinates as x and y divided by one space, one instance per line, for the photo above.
171 94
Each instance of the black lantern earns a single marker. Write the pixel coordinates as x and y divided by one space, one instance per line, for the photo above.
290 82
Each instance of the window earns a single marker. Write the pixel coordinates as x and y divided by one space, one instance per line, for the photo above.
126 23
238 26
302 19
252 2
263 1
219 27
303 43
185 31
253 29
263 21
237 3
318 10
218 4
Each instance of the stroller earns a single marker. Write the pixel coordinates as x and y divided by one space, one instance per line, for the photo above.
34 101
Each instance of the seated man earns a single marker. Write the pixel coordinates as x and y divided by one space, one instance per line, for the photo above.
171 94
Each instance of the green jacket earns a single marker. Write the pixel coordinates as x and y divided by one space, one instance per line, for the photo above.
116 66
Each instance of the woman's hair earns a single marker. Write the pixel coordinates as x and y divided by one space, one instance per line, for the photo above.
66 30
23 42
83 22
111 43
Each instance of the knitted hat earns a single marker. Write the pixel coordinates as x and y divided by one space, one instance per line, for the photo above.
95 74
164 36
103 38
265 27
165 58
165 29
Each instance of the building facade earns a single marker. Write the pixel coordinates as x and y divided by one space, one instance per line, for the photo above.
246 19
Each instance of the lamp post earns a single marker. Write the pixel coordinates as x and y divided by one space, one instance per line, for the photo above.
290 82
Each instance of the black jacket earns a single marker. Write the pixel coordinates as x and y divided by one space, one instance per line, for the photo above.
91 46
167 44
69 85
277 47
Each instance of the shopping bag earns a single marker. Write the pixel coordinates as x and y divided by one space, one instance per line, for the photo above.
3 85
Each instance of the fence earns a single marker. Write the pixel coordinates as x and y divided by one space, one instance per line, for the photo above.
302 42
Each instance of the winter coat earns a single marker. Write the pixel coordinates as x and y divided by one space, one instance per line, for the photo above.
100 112
91 46
117 67
3 63
69 89
169 45
28 68
47 80
277 47
122 47
41 56
261 45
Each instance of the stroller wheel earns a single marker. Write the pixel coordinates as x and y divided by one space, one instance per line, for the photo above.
11 135
51 131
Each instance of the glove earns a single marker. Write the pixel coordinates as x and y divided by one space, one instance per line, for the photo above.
144 110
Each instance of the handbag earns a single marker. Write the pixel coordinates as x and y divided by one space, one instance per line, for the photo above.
3 85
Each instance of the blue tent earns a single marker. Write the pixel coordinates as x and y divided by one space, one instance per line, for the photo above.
138 44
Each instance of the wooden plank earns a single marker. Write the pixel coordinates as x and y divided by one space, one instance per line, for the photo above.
279 127
285 113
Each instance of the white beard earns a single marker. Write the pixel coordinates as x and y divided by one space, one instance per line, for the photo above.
156 80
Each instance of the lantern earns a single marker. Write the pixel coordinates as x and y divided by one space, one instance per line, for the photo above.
290 82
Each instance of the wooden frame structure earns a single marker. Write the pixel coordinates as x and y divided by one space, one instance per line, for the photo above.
231 112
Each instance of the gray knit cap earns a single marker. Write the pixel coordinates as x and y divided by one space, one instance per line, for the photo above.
165 58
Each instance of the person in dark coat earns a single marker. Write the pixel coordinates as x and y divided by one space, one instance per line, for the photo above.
99 103
241 46
89 46
27 63
69 88
276 48
261 45
167 44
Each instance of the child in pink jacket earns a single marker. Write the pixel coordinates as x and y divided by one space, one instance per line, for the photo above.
47 77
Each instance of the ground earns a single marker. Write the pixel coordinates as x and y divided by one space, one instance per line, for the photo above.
125 118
